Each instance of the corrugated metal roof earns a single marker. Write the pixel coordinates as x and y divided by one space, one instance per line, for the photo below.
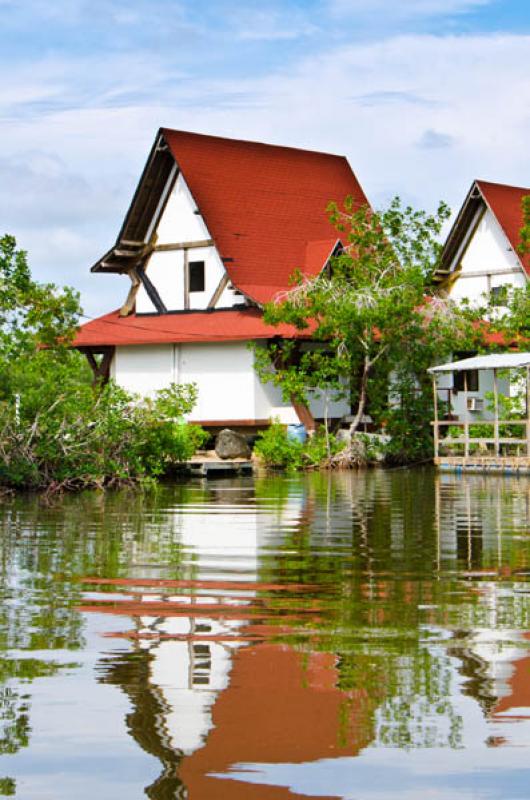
491 361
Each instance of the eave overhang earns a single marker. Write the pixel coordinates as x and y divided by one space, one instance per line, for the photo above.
133 243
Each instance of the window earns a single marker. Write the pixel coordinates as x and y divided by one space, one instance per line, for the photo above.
196 276
472 380
499 295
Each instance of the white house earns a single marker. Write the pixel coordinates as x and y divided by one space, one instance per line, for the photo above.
480 257
216 228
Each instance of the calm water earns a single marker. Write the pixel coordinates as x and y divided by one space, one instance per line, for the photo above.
362 636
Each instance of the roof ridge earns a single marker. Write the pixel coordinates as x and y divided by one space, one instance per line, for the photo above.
481 182
254 142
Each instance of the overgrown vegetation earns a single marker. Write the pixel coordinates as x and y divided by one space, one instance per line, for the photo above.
277 450
378 325
58 430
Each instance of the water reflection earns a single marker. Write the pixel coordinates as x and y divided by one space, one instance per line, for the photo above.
277 638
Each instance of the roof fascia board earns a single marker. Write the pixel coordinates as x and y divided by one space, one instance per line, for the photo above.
158 144
466 239
142 191
459 230
166 191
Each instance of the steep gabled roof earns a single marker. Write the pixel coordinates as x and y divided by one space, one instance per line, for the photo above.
262 204
504 202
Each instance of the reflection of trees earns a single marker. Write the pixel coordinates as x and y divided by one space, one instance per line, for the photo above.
389 555
42 551
394 584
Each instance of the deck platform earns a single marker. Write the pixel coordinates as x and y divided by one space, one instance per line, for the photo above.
509 465
209 465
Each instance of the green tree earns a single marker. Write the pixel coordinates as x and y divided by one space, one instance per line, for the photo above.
376 314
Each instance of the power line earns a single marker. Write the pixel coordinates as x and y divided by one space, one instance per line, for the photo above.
144 328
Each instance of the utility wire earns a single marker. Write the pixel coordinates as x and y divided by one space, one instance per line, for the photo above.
144 328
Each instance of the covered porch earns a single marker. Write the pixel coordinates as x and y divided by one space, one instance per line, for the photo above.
490 433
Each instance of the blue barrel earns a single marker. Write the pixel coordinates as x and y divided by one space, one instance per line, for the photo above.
297 432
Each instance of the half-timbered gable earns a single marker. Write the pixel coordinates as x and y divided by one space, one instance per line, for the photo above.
481 254
216 229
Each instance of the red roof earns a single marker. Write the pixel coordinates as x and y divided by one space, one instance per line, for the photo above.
505 203
201 326
263 204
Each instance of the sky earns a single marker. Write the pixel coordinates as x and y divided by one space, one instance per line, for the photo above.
422 96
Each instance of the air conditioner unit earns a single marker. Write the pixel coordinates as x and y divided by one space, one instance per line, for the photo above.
475 403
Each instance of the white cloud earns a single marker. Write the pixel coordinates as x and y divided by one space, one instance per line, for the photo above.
70 165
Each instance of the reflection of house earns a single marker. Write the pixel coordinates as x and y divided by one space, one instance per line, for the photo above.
207 687
217 228
282 706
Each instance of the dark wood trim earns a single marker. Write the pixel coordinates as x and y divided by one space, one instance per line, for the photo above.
164 248
231 423
151 290
186 281
221 286
100 371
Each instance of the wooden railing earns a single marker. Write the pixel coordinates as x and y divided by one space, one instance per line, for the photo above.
497 440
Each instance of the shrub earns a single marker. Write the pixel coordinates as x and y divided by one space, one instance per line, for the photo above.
277 450
319 448
90 437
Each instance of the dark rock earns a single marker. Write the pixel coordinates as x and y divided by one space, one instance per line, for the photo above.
230 444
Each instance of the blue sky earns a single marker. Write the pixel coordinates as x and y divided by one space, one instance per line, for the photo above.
421 95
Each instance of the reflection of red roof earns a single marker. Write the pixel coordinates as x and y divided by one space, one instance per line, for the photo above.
505 204
201 326
519 697
263 204
279 707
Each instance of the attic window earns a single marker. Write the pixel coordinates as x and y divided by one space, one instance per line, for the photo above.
499 295
196 276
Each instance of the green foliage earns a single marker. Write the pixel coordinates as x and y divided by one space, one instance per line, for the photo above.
31 313
524 246
277 450
56 428
319 448
86 437
376 320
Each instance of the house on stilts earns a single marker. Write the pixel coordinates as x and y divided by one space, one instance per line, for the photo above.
482 403
215 230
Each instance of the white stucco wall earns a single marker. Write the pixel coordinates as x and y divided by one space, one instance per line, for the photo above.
229 388
224 375
488 261
180 224
144 369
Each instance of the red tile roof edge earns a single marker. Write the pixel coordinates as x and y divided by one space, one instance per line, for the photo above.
504 202
181 327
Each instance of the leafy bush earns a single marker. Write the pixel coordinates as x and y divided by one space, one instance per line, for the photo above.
277 450
91 437
319 448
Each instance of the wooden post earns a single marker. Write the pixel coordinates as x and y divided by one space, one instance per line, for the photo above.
186 279
528 412
466 418
435 428
496 412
